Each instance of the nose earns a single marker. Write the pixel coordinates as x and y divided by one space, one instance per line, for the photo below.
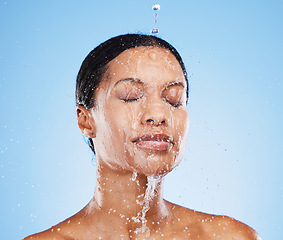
154 115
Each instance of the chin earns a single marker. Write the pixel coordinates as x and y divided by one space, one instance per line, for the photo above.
154 164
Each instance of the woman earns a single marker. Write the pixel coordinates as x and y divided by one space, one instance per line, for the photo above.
131 95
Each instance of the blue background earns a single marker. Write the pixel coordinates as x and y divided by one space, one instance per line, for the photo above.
233 52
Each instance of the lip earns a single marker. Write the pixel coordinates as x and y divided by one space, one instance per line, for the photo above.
154 141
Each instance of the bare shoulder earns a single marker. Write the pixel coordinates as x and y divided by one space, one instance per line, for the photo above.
209 226
65 230
47 235
230 228
59 232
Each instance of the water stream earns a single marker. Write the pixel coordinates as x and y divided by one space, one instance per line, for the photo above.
155 8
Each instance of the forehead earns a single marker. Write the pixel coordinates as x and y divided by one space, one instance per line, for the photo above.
151 51
146 63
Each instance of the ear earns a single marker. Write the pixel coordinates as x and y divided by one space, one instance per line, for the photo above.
86 122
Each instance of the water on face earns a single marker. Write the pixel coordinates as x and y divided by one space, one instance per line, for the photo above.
135 65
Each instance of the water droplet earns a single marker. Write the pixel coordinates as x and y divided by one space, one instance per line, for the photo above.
134 176
154 31
156 7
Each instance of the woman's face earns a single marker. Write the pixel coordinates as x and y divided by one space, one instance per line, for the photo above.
140 112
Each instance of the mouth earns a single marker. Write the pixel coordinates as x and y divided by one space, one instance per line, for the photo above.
154 141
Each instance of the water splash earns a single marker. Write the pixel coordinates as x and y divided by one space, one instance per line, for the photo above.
148 196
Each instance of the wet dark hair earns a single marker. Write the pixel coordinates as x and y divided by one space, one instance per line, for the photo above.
94 66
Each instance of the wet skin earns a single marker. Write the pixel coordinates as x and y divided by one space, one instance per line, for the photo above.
141 112
139 125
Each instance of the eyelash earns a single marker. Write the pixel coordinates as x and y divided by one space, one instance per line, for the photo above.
130 100
135 99
175 105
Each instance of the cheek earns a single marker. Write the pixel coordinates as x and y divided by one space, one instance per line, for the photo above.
120 121
181 126
117 120
110 141
180 129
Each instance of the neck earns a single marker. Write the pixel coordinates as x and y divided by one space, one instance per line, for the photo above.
131 196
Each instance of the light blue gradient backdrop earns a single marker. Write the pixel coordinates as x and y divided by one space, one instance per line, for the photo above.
233 53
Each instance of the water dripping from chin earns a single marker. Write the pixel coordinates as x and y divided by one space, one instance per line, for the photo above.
152 182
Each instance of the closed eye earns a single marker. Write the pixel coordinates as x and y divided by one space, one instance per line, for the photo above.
130 99
131 94
129 90
174 95
175 105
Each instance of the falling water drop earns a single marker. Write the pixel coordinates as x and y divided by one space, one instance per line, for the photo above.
154 30
155 8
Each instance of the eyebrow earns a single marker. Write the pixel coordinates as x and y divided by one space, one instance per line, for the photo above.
174 83
137 80
134 80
